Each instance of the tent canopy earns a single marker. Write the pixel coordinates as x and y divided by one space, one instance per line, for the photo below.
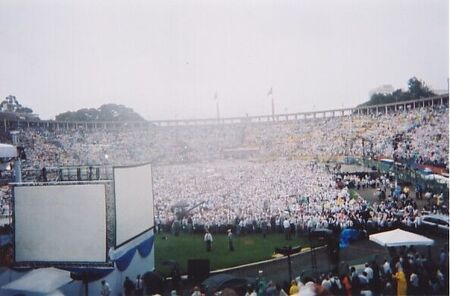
40 281
398 237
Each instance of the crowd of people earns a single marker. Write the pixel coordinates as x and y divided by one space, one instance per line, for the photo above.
283 181
283 186
408 273
260 197
419 136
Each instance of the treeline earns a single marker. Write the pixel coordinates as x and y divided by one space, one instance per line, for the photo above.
417 89
107 112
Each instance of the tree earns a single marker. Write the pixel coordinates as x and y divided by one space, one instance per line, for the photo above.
417 89
11 104
107 112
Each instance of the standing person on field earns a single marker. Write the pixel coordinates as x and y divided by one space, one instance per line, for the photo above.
208 240
287 229
230 240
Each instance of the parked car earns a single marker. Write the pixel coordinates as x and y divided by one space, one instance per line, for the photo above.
435 223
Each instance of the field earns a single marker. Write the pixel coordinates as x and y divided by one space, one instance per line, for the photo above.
248 249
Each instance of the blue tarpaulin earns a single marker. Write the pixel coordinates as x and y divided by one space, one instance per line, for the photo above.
346 236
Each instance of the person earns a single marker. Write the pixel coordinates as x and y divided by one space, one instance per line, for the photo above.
363 279
366 291
401 282
208 240
413 284
128 287
287 229
388 289
386 268
196 291
271 289
369 272
354 281
345 280
44 174
250 291
264 228
105 290
293 290
230 240
261 284
139 285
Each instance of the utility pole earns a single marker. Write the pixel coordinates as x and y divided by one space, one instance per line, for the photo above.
270 93
217 110
288 251
216 99
273 109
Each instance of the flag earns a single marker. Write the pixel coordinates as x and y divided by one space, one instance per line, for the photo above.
270 92
215 96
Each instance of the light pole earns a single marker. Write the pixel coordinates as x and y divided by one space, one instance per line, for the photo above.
288 251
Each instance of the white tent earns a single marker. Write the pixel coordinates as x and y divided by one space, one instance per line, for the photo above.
398 238
42 281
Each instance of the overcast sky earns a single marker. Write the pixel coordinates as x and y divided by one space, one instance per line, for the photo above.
166 59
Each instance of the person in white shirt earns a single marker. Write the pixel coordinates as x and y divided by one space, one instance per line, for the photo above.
369 272
287 229
363 280
326 283
387 267
413 283
208 241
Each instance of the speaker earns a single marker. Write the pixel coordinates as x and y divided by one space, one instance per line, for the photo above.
198 269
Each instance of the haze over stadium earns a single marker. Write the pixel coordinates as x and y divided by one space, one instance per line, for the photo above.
272 127
166 60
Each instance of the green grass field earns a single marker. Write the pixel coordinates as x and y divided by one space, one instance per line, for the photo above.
248 249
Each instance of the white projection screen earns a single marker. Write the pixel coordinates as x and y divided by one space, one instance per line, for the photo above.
134 201
60 223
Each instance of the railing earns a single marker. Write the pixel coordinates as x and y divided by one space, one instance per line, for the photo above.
68 173
408 175
9 124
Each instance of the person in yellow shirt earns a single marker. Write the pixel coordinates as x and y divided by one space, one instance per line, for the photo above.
400 277
293 290
406 191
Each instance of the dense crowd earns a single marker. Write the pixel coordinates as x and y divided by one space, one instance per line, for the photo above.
408 273
258 197
284 184
419 136
282 181
248 194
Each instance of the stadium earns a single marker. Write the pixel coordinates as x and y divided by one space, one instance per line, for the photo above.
364 171
249 148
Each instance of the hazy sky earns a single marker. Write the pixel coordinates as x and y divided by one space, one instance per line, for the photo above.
166 59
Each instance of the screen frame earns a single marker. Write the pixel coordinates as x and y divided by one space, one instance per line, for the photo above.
117 246
39 263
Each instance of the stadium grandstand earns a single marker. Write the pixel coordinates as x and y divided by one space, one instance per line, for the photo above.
253 173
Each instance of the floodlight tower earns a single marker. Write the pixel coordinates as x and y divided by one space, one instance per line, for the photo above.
17 161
